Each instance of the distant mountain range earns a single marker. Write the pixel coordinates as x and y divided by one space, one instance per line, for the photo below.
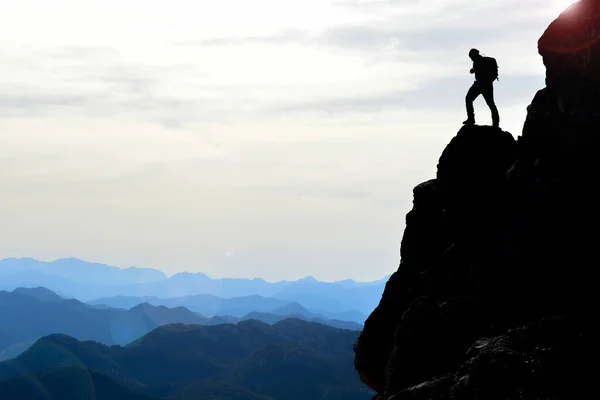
291 360
230 311
79 271
26 314
209 305
89 281
205 304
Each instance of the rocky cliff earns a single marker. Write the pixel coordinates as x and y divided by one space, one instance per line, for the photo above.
496 293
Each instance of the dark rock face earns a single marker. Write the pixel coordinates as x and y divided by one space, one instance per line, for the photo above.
495 295
542 360
563 117
570 46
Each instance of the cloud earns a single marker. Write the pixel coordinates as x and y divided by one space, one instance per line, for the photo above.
415 25
438 94
93 53
425 41
95 82
30 102
445 26
183 130
370 37
281 38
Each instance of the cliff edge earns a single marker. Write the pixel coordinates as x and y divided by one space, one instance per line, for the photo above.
495 296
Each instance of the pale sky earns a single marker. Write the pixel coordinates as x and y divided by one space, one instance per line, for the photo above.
271 138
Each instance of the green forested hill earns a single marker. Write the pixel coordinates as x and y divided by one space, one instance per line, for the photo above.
290 360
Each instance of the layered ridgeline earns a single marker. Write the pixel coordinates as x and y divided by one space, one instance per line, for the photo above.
292 359
496 293
209 306
73 278
27 314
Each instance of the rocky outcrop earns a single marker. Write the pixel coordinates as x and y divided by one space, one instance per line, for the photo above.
495 295
541 360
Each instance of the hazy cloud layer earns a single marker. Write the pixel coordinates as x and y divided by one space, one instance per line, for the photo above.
273 138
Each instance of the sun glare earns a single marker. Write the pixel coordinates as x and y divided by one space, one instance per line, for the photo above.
564 4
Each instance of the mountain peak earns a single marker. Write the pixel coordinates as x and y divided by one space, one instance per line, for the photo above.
188 275
39 293
293 309
308 279
143 305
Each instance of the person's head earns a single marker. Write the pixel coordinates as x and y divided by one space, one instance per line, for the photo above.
474 54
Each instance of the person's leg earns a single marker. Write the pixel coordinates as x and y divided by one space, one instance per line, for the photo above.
488 95
472 94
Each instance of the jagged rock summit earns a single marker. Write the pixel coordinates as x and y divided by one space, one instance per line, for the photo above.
496 293
570 46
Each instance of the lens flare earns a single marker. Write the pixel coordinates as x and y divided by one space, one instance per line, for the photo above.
565 4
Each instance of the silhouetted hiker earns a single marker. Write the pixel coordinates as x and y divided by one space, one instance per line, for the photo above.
486 72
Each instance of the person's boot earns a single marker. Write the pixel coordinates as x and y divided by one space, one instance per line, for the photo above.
496 124
469 121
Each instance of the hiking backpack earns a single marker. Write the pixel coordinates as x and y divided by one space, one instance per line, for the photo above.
491 68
